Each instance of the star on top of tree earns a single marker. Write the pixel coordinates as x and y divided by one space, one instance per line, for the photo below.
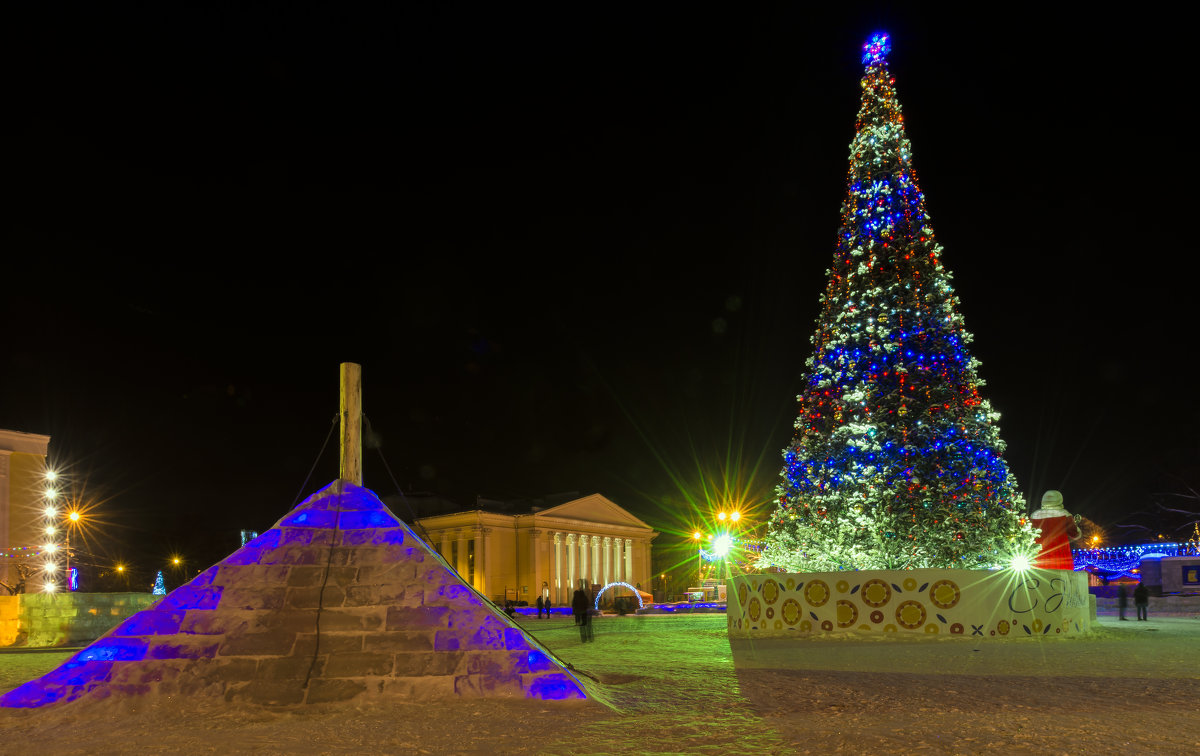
876 48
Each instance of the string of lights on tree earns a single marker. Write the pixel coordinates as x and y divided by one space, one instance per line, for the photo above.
896 461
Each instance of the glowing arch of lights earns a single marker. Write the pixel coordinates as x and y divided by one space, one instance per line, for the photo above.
636 592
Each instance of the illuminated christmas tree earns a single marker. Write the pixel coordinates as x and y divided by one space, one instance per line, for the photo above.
160 587
896 460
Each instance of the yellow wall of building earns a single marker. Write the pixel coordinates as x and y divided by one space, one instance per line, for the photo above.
10 612
22 481
27 481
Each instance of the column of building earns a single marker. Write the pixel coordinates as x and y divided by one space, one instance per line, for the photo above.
644 558
584 545
460 560
595 574
569 588
556 583
482 537
629 562
618 562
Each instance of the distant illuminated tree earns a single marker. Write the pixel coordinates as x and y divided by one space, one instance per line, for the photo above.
18 586
896 460
160 587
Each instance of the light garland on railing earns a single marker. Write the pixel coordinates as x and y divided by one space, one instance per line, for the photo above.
21 553
1121 561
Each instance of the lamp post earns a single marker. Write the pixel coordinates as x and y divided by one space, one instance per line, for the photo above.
54 519
72 519
721 542
50 549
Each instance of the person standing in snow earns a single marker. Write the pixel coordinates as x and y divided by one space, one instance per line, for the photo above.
580 607
1141 600
1122 601
1056 529
540 605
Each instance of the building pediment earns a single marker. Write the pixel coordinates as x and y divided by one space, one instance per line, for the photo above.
593 508
23 443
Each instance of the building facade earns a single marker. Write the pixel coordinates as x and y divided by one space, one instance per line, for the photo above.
516 557
22 479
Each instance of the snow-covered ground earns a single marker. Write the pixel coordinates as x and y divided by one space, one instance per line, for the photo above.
675 685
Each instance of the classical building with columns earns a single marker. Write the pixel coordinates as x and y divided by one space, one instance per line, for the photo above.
547 550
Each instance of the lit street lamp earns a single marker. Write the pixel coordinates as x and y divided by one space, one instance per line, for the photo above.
720 543
54 521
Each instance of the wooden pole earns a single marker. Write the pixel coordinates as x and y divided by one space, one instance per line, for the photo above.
351 414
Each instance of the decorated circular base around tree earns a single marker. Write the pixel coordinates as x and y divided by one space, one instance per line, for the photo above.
929 603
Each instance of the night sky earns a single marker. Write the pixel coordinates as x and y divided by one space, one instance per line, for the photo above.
573 248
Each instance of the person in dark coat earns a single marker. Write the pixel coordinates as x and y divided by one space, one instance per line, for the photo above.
540 606
1122 601
581 604
1141 600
